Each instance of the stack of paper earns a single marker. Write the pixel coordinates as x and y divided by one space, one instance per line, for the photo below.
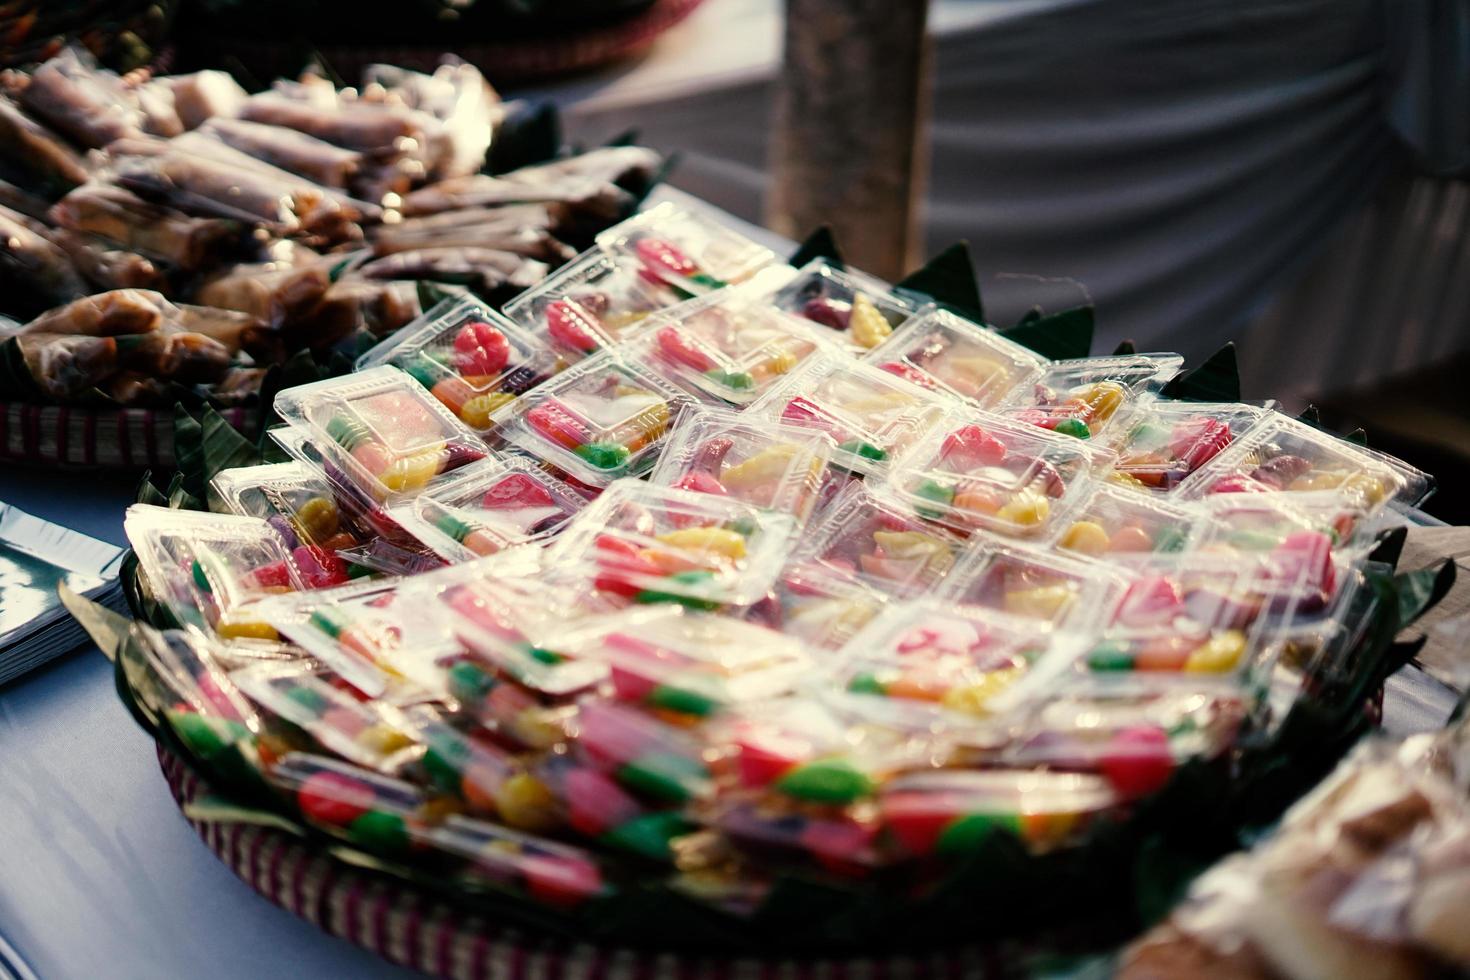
35 556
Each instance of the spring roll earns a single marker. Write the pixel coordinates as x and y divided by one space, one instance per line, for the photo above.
196 185
378 307
22 201
104 267
82 101
481 190
271 292
533 243
132 223
133 388
109 314
205 95
314 159
65 366
237 331
481 268
155 98
370 129
190 358
38 151
35 262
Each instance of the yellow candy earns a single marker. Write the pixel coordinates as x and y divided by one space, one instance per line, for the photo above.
1026 509
246 629
1044 602
318 519
1126 480
1217 655
707 540
916 546
383 739
1104 398
971 698
868 327
765 466
409 473
778 361
972 376
477 411
1368 488
525 803
1087 537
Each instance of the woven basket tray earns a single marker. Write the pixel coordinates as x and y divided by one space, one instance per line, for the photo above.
125 438
409 927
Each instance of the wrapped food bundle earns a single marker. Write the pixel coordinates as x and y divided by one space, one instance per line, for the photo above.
880 615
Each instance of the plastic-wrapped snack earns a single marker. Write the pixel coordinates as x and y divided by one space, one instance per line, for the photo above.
681 665
486 778
1259 523
202 95
487 270
1088 396
1114 523
862 310
66 366
981 471
871 415
760 462
657 544
38 151
211 570
122 217
1030 583
317 160
598 420
155 100
105 267
369 129
865 537
949 814
595 301
458 96
110 314
1165 442
816 606
687 250
488 507
380 308
34 265
86 103
471 359
926 663
374 735
948 353
524 230
367 809
384 432
294 498
201 704
271 292
1287 455
610 167
730 346
1135 735
519 864
599 807
659 763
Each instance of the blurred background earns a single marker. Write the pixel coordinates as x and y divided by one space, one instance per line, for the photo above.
1287 174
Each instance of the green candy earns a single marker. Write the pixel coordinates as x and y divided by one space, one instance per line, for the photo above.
309 698
866 450
664 776
383 833
649 835
734 380
196 570
203 736
866 683
469 682
691 578
708 281
328 622
1109 657
1073 427
453 527
1170 539
355 570
347 432
604 455
682 700
825 781
937 492
425 370
969 832
541 655
444 762
1252 541
743 526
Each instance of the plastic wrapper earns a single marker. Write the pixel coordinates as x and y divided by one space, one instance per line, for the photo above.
293 498
33 264
110 314
314 159
37 150
1114 523
380 308
234 330
23 202
487 507
659 763
271 292
155 100
598 420
1259 523
458 96
729 346
388 437
980 471
620 166
521 865
203 95
484 269
759 462
470 359
525 230
656 544
861 310
687 250
120 216
1031 584
87 104
948 353
65 366
375 130
486 779
819 607
592 303
1086 397
370 811
872 415
1290 456
868 538
1165 442
105 267
201 704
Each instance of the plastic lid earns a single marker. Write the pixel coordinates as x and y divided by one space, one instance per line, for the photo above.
869 538
687 249
845 302
1086 397
1164 442
945 352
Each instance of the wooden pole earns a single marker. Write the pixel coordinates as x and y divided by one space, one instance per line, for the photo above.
848 148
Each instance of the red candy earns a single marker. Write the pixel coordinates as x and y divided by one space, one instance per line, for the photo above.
972 447
908 372
558 425
480 349
332 798
679 349
663 257
272 576
596 804
571 326
1152 601
1198 440
515 492
560 880
1236 483
321 569
1137 761
701 482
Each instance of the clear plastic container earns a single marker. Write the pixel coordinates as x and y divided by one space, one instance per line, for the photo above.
1030 583
1086 397
294 498
650 544
1285 455
860 310
383 432
983 471
816 606
686 249
945 352
729 346
487 507
599 420
523 865
871 415
749 459
1258 523
1115 523
1164 442
594 302
473 361
864 537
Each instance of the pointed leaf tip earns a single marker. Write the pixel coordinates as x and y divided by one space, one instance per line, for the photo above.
820 244
1059 336
949 280
1215 380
